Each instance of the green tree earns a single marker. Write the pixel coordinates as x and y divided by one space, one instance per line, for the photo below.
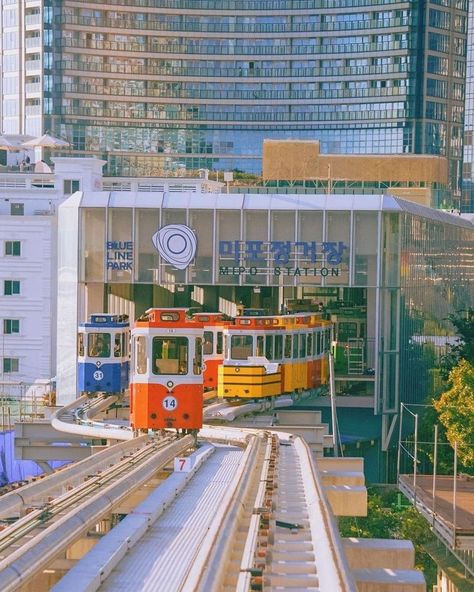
387 518
463 322
445 457
458 422
380 522
415 528
456 411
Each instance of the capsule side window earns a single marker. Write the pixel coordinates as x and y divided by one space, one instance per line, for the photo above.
260 345
80 344
269 347
278 347
197 362
326 340
309 344
140 354
208 346
125 343
219 343
302 349
295 346
118 345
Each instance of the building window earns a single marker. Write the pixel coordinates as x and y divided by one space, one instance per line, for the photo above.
11 287
71 186
17 209
10 365
13 248
11 326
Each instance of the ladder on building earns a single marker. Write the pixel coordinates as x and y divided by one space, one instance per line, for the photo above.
355 356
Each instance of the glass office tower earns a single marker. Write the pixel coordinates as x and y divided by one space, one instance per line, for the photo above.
468 168
163 86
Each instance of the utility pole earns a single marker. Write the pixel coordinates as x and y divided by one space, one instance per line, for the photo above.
332 394
329 187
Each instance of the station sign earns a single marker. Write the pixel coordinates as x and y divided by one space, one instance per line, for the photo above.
177 245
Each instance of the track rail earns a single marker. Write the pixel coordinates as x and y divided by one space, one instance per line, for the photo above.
280 533
261 523
49 511
15 503
270 527
76 418
66 523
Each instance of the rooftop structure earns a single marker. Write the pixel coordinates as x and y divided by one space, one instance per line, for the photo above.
419 178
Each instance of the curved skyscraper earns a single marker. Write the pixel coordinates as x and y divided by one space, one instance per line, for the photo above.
163 85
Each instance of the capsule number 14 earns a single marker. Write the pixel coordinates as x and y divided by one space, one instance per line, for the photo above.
170 403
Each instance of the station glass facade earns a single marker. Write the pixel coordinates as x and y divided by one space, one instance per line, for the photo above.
175 85
391 267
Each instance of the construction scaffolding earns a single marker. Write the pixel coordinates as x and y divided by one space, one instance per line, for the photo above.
21 401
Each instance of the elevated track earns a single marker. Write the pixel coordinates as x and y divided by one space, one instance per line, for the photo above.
244 511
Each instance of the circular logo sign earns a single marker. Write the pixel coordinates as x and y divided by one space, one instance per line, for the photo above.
170 403
98 375
176 243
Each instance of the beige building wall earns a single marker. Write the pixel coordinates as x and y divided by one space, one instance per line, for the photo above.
295 160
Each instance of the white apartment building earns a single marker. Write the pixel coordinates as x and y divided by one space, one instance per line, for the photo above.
26 79
28 266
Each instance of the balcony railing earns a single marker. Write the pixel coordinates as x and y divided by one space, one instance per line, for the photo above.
33 110
33 19
33 65
177 24
162 67
259 6
33 87
10 178
33 42
120 90
243 117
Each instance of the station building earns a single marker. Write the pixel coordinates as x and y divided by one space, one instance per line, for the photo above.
361 242
388 271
